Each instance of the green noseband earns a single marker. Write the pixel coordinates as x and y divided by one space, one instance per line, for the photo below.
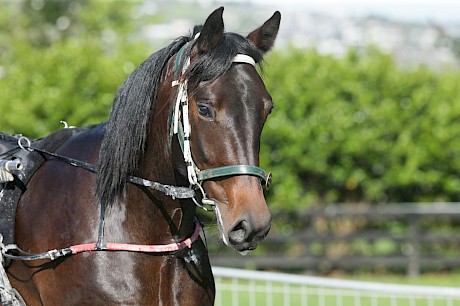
207 174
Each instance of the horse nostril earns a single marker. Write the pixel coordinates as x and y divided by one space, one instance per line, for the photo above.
239 232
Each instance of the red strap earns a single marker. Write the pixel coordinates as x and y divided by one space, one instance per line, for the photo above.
175 246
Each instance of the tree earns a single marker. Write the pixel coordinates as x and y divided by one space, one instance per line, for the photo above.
64 62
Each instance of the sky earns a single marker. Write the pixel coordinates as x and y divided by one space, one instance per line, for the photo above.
445 11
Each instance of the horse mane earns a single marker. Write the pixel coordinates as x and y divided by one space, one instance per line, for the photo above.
128 124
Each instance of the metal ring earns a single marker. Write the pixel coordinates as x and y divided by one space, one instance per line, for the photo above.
204 200
26 146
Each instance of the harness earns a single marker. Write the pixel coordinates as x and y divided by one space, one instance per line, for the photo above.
180 126
174 192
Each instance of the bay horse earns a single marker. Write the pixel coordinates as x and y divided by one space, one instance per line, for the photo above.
189 117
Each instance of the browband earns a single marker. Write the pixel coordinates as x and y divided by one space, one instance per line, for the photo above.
243 58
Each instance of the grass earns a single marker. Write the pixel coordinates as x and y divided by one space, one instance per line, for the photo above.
248 293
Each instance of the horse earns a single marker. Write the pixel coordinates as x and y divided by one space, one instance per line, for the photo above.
188 122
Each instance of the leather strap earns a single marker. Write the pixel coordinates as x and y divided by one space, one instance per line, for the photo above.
265 177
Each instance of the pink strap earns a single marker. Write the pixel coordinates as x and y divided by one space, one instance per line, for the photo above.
175 246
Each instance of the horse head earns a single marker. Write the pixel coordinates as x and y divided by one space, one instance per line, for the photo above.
228 106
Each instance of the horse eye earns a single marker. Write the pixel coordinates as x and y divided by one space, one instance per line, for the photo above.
205 111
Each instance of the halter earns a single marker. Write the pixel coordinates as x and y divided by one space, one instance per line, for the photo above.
182 129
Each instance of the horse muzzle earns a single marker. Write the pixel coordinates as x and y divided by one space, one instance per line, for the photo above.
244 236
243 217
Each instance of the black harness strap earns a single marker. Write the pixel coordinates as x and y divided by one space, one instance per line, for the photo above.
100 246
178 192
68 160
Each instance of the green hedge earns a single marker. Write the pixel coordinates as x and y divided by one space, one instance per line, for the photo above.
72 81
360 128
50 73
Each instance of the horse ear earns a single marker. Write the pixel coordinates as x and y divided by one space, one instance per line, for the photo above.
211 33
264 36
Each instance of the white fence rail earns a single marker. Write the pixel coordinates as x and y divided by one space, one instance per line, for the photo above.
249 288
